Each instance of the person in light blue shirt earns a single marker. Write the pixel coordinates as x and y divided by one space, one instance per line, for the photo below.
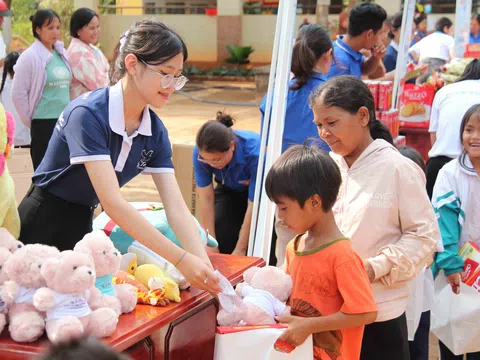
311 60
475 30
230 158
365 31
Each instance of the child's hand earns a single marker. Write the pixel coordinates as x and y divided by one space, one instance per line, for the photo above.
298 329
454 281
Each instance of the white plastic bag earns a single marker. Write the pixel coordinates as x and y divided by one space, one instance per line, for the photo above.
415 304
455 319
256 343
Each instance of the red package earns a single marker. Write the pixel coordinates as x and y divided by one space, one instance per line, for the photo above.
415 106
400 140
284 347
373 86
385 90
469 269
394 123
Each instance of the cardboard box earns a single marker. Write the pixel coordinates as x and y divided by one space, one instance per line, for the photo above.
21 169
182 160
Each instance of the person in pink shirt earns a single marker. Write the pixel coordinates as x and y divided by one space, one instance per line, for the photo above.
382 207
89 66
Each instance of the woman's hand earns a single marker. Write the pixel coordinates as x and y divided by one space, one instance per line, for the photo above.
454 281
198 273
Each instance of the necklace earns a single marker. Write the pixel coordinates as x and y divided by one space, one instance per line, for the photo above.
223 177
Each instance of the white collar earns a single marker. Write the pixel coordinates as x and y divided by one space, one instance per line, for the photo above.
116 117
394 45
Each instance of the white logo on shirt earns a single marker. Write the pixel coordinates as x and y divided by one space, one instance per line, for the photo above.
380 200
61 72
146 157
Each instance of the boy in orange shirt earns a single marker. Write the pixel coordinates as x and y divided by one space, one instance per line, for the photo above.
332 297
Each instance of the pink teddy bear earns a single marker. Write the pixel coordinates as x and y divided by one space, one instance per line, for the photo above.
264 294
27 323
123 297
4 256
70 279
8 241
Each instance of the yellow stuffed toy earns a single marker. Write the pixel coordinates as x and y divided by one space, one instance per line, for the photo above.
152 277
9 218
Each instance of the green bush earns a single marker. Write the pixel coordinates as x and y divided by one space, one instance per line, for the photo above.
239 54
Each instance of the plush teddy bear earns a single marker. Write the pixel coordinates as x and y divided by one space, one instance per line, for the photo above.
8 207
27 324
264 294
8 241
122 297
4 256
70 280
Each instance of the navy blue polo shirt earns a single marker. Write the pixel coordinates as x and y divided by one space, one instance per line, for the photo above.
390 59
92 128
299 125
347 61
241 173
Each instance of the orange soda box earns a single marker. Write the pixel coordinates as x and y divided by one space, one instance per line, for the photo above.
470 253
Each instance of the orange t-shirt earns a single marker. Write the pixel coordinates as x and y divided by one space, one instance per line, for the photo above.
326 280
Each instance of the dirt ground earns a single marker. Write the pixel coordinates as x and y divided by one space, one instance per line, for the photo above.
183 117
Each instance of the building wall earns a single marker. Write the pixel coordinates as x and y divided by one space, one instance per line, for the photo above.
198 31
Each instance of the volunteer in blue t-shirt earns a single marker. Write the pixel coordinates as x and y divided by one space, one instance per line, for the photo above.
105 138
311 60
475 29
365 31
230 157
390 59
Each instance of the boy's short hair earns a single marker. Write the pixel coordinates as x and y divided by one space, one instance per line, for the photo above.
87 348
364 17
413 155
301 172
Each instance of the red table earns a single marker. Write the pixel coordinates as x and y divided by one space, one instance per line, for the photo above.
419 139
179 331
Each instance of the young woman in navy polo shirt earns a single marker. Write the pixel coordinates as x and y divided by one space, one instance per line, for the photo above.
232 158
105 138
311 60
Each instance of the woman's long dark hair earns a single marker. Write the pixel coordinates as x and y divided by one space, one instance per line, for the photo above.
311 44
471 72
151 42
10 62
350 94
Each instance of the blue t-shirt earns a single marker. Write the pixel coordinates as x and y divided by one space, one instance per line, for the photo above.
474 39
299 125
346 60
241 172
390 59
92 128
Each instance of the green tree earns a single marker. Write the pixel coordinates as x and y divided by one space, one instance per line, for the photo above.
21 25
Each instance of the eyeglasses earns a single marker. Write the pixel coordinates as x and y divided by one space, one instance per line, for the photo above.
213 162
168 79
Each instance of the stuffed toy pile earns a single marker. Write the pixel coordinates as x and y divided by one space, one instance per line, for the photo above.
263 295
9 218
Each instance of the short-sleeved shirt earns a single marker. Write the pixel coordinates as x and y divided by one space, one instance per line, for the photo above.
241 173
390 59
92 128
449 105
327 280
299 125
434 46
56 92
346 60
474 39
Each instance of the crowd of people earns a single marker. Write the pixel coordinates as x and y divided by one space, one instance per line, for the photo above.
353 211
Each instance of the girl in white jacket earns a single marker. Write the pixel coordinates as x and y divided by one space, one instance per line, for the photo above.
457 205
382 206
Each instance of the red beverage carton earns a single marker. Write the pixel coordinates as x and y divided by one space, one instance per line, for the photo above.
385 90
373 86
415 106
394 123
